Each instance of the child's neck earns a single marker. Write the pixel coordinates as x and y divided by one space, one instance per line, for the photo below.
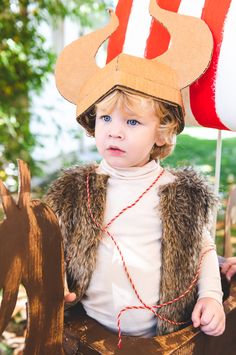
129 172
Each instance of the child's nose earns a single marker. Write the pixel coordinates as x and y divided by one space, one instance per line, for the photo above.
116 131
116 135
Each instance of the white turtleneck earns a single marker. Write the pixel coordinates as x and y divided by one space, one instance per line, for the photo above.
138 232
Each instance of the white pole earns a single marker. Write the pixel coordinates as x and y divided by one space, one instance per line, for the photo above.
217 178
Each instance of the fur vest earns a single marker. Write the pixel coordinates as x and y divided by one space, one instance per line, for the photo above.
184 205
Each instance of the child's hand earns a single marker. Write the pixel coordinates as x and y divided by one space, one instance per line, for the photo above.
69 297
209 315
229 267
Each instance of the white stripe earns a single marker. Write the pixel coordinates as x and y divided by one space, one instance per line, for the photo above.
191 7
225 86
138 28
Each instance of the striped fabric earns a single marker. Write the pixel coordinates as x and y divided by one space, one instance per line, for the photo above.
211 101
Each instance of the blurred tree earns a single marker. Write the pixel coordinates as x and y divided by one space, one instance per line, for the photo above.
25 61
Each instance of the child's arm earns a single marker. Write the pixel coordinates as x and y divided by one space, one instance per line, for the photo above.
208 313
229 267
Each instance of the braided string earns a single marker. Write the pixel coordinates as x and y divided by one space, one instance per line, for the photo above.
136 201
162 318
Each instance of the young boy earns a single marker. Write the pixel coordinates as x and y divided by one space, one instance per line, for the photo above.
133 232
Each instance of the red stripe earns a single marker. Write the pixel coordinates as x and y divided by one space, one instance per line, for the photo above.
202 95
159 38
116 41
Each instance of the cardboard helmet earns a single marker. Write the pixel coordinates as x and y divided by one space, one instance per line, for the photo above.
82 82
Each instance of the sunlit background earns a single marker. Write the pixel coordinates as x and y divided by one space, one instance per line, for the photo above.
58 123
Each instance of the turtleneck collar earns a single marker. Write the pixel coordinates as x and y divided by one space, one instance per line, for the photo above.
132 173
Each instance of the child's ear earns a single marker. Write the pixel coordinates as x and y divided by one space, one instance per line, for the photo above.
160 139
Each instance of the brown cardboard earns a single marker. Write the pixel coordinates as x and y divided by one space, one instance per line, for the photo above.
90 337
77 62
31 254
191 44
82 82
124 70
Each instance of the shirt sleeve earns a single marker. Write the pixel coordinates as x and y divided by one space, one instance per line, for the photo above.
209 282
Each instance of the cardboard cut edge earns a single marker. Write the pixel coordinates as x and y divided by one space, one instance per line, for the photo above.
145 88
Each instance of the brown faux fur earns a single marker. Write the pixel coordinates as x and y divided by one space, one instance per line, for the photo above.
68 199
184 207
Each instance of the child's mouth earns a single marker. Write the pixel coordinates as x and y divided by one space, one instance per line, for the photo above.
115 151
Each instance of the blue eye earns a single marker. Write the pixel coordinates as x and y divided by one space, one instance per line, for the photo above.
133 122
106 118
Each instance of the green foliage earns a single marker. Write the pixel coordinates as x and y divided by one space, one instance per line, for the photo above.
25 61
200 153
4 349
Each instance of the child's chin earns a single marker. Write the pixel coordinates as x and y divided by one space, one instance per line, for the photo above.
123 164
118 163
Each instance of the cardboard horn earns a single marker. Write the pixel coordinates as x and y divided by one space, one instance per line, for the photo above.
8 202
77 62
24 184
82 82
191 44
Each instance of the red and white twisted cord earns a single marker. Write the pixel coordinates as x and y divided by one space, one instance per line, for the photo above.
144 305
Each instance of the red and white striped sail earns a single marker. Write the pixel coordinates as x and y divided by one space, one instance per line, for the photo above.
211 101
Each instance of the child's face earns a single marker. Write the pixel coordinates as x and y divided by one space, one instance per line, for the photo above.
125 140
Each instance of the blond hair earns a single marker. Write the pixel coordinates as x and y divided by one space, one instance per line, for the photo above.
169 118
